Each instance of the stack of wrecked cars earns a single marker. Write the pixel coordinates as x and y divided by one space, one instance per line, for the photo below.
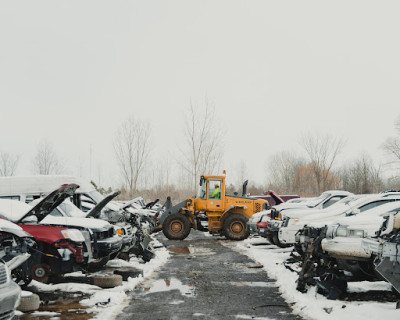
45 234
356 238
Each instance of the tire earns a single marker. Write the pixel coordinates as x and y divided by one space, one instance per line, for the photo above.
299 249
29 303
128 272
235 227
98 264
277 242
21 278
176 226
270 240
107 281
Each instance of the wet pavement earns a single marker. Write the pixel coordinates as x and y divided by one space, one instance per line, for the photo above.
205 280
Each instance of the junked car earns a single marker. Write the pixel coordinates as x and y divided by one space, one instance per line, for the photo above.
385 249
60 249
10 293
15 245
325 200
334 254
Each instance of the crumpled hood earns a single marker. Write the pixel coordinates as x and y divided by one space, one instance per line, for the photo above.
78 222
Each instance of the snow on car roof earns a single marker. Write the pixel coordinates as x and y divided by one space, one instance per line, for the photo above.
40 184
13 210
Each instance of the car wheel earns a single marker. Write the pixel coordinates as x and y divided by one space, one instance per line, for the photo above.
98 264
40 272
21 278
176 226
235 227
277 242
128 272
29 302
107 280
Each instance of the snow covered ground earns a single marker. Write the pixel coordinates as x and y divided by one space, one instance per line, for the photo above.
312 305
108 303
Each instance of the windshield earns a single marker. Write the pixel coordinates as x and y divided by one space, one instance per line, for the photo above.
202 190
96 196
71 210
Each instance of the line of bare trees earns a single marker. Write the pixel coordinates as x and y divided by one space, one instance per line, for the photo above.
315 170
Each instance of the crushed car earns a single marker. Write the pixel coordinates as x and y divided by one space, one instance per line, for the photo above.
334 254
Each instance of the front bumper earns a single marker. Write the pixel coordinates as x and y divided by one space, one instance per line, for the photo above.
108 246
346 248
9 297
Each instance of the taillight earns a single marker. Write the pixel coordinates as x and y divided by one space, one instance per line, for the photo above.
79 255
262 224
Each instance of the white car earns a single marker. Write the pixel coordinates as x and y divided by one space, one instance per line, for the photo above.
351 205
325 200
344 239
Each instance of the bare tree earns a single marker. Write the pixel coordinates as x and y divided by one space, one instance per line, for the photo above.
203 142
46 161
392 144
282 169
8 164
362 176
322 151
132 147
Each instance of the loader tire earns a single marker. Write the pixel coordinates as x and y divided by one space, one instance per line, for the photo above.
235 227
176 226
98 264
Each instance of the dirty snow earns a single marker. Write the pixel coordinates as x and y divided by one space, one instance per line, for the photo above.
108 303
311 304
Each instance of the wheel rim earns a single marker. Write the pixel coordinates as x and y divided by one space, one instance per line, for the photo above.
176 226
237 227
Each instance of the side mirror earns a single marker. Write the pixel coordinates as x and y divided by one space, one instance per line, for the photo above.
356 211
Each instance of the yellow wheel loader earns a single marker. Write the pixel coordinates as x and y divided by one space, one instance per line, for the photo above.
226 215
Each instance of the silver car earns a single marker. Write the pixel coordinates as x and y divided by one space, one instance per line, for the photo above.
10 293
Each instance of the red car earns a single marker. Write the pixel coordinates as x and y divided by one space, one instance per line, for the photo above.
58 249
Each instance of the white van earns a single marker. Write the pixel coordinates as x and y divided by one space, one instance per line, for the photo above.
29 188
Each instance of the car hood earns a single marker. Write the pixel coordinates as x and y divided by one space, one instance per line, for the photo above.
7 226
95 211
50 202
75 222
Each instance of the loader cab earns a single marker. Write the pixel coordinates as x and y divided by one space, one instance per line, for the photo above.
208 197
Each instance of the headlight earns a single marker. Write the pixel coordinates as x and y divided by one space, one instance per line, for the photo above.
341 231
344 231
356 233
73 235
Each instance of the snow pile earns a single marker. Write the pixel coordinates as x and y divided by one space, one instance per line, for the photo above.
311 304
107 303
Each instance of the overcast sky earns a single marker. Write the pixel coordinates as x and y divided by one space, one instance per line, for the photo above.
72 71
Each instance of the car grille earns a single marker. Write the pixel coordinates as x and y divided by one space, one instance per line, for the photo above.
3 274
100 235
128 230
257 207
7 315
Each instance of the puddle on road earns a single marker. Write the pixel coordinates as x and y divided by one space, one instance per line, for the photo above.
168 285
192 250
69 309
184 250
248 284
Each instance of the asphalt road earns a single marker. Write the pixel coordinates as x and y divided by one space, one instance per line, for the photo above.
205 280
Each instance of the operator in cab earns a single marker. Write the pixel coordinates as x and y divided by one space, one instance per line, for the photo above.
216 194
